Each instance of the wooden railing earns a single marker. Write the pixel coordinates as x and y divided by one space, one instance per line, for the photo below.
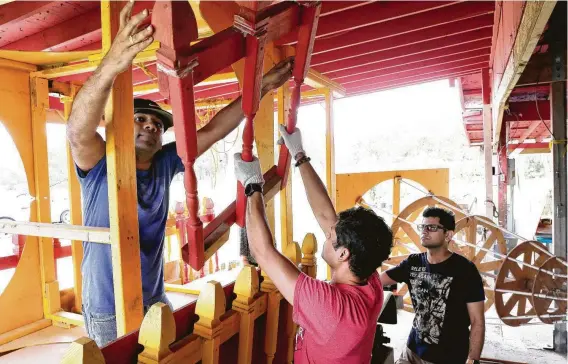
246 321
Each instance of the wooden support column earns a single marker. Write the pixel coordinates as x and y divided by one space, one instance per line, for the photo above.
210 306
329 152
40 102
560 201
246 289
75 208
487 142
264 132
293 253
121 172
286 217
503 176
395 197
272 317
558 115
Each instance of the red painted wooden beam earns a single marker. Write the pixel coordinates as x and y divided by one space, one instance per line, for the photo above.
372 13
451 45
332 7
61 33
449 16
426 72
451 53
69 32
86 42
421 66
527 110
409 82
16 11
404 40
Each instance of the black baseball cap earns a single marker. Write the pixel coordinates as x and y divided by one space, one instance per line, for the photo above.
150 107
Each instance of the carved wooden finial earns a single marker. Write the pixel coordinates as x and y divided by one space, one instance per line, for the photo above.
157 333
211 305
309 245
246 285
293 252
83 351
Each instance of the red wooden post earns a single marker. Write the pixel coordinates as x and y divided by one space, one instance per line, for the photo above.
256 33
306 38
176 28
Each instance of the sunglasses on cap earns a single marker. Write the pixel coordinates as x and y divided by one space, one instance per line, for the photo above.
432 228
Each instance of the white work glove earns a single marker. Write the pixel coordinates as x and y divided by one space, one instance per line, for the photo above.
248 172
293 141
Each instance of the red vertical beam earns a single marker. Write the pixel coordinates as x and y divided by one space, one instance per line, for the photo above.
176 28
487 144
304 48
252 82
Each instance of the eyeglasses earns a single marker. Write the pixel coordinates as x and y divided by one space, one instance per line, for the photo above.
432 228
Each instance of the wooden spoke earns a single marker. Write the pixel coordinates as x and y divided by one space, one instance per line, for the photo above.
519 280
552 286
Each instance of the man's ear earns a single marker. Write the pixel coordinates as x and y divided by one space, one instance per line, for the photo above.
449 235
343 254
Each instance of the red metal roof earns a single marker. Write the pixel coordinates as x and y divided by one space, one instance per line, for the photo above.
364 46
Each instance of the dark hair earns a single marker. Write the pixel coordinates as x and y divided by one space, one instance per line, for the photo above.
367 237
447 217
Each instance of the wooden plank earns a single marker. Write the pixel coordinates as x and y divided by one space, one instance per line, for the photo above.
122 187
23 331
48 230
487 142
283 108
531 27
75 209
68 318
40 102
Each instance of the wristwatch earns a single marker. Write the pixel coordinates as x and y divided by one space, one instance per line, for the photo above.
252 188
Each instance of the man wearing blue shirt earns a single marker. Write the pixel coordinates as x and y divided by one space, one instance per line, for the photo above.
156 165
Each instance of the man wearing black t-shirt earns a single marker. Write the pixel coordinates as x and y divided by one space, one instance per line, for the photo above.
447 295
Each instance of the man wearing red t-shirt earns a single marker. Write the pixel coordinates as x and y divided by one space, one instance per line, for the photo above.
337 320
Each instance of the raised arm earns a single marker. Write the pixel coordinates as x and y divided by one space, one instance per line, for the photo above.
318 198
281 271
87 146
231 116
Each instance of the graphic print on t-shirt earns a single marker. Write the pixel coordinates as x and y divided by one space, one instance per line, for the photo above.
430 292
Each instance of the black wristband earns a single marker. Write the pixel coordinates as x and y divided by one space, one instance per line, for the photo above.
302 160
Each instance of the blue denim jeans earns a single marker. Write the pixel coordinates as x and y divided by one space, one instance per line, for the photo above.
101 327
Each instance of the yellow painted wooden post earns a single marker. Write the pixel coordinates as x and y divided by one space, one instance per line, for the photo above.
210 306
395 197
329 152
293 253
246 289
75 209
83 351
121 172
40 102
272 315
157 333
286 218
309 249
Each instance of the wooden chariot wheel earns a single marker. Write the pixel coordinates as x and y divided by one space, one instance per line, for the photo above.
407 238
480 231
550 310
514 283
